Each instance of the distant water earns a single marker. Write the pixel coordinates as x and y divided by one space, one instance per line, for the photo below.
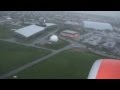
104 13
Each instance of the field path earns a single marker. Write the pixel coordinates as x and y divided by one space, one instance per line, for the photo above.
33 63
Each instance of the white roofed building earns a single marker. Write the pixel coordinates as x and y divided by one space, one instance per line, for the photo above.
50 24
29 31
71 23
54 38
97 25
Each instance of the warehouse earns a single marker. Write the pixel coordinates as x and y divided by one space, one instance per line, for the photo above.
89 25
29 31
109 44
93 40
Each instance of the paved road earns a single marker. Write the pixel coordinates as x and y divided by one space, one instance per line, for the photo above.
33 43
48 56
103 54
74 43
80 45
42 39
28 45
33 63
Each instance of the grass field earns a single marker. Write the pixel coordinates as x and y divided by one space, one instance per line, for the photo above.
13 55
60 44
68 64
5 32
25 41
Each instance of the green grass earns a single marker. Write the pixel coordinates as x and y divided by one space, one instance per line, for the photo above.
13 55
26 41
65 65
55 45
5 32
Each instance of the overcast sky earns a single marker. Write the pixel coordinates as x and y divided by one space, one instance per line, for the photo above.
106 13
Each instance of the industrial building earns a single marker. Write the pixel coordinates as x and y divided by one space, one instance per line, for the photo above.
70 34
28 31
93 40
89 25
109 44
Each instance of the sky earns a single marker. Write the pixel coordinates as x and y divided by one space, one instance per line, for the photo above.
104 13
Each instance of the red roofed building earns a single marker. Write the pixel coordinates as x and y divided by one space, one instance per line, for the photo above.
70 34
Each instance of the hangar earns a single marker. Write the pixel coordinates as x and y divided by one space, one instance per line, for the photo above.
97 26
29 31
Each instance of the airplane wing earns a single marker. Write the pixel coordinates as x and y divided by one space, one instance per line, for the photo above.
105 69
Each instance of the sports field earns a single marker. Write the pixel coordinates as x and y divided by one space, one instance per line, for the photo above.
14 55
68 64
